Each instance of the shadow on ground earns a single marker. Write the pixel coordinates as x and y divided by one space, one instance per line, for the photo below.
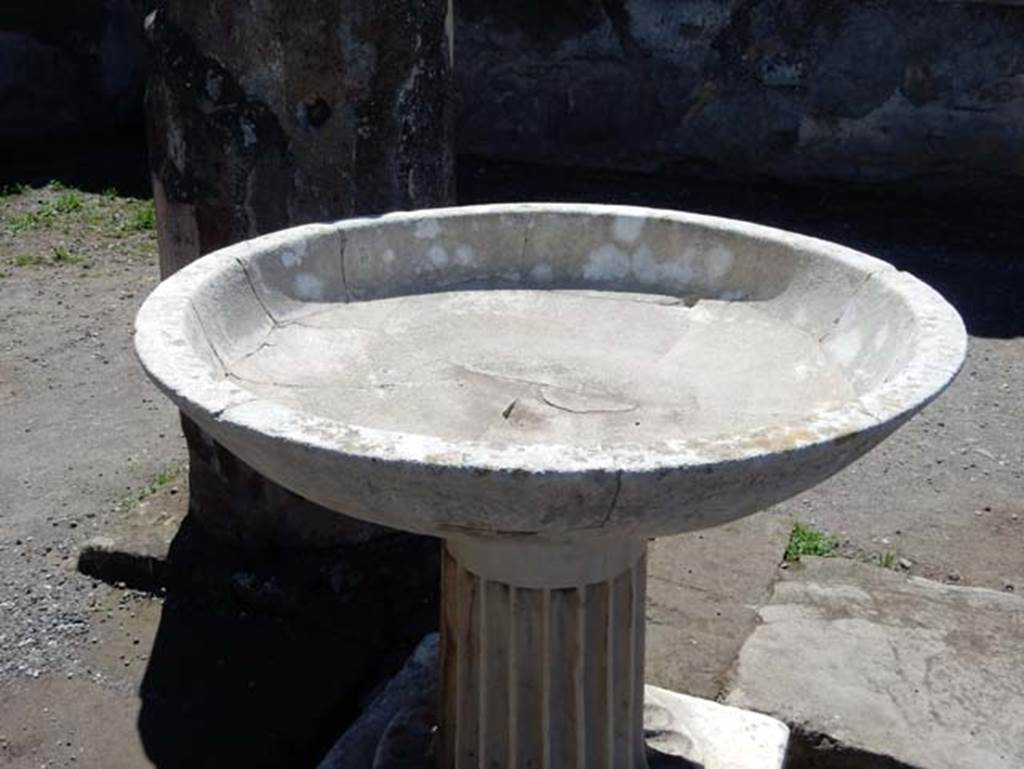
262 661
116 162
808 750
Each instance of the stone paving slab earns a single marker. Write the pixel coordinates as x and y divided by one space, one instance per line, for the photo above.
710 735
925 674
703 591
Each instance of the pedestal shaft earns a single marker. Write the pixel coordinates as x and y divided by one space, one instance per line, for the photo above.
542 678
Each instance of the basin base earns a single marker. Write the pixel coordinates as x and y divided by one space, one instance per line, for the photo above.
398 729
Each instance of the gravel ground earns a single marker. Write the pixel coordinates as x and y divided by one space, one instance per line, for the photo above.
82 433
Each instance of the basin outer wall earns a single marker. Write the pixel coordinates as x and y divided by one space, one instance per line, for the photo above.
443 500
542 677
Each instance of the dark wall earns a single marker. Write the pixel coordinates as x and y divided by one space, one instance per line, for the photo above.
69 68
890 90
920 91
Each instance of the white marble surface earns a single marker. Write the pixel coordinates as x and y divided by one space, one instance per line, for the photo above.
711 735
790 358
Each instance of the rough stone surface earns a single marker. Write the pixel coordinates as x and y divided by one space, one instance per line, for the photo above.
925 90
927 675
395 730
320 111
807 90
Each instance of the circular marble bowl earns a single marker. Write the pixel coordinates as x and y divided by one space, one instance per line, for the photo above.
549 372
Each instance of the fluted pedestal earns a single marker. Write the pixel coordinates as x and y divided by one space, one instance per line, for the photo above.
542 655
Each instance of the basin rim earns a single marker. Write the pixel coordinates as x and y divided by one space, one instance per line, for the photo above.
170 360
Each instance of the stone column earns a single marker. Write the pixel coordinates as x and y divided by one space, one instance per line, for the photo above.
264 114
542 655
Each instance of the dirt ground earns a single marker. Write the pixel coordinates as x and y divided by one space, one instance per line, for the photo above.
82 432
83 436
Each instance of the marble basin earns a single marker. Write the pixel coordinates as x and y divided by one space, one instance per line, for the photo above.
546 387
547 371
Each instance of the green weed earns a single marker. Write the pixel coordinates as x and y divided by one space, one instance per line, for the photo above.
806 540
30 260
61 255
886 560
14 189
157 483
48 212
142 215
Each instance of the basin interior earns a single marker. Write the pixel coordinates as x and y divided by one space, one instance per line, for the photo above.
577 367
577 329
